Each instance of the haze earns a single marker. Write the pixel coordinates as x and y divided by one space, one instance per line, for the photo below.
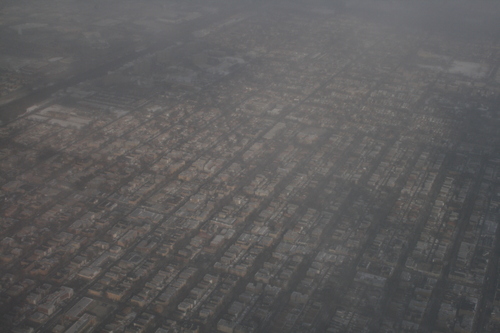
249 166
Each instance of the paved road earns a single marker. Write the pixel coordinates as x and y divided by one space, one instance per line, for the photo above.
181 32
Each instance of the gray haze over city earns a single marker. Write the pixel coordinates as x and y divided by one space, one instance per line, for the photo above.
249 166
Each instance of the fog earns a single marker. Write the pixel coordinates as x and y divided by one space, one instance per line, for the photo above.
249 166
